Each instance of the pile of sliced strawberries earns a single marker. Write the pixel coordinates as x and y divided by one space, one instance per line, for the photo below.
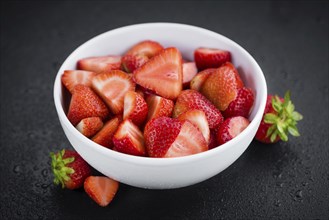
152 102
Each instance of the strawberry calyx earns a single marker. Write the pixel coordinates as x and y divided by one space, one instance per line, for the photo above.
283 120
59 167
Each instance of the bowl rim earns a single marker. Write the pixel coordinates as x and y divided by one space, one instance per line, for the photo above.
148 160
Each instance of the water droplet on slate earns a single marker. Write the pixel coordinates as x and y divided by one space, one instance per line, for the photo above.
16 169
44 172
277 203
44 186
299 194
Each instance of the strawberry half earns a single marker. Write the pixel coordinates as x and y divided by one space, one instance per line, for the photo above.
168 137
241 105
132 62
112 87
158 106
146 48
135 108
86 103
279 119
162 74
198 80
71 78
69 169
221 86
101 189
189 71
210 58
102 64
90 126
192 99
199 119
129 139
230 128
104 136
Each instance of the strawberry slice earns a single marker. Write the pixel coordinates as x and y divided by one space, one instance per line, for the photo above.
104 136
84 104
135 108
241 105
198 80
102 64
230 128
132 62
189 71
213 139
210 57
191 99
158 106
221 87
90 126
199 119
147 48
129 139
101 189
162 74
71 78
112 87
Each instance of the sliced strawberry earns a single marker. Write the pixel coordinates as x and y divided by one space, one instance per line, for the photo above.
129 139
147 48
198 80
210 58
189 71
230 128
104 136
71 78
112 87
241 105
90 126
101 189
102 64
162 74
158 106
213 139
135 108
69 169
221 87
192 99
199 119
132 62
86 103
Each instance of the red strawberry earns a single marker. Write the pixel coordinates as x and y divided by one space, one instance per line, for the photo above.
168 137
241 105
71 78
69 169
213 139
162 74
221 86
189 71
84 104
158 106
279 119
135 108
210 58
129 139
103 64
230 128
104 136
198 80
90 126
132 62
112 87
147 48
191 99
101 189
198 118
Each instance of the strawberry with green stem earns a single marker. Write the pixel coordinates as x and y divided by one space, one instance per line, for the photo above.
279 120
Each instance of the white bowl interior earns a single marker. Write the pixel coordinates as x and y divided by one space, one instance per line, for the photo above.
170 172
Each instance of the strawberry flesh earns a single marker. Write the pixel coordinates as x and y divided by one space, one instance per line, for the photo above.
102 64
198 80
90 126
71 78
189 71
135 108
210 58
146 48
158 106
104 136
230 128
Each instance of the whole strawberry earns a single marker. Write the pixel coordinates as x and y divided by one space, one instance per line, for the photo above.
279 119
69 169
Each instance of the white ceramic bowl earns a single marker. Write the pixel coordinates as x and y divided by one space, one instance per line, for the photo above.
163 173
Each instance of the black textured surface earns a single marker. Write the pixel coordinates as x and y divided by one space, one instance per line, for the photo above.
285 180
